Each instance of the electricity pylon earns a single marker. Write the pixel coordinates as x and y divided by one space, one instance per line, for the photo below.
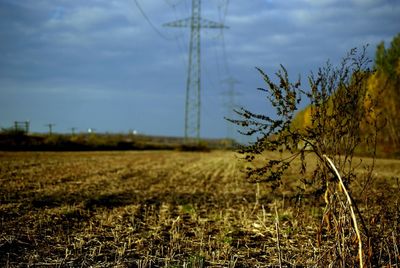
193 82
231 104
50 126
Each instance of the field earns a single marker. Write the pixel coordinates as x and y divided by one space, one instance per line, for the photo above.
169 209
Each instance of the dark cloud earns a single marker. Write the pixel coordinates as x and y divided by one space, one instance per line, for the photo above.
100 64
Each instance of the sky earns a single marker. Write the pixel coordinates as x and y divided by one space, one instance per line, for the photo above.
111 65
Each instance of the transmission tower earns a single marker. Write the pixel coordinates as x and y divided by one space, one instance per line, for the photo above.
193 82
50 126
231 94
22 126
73 129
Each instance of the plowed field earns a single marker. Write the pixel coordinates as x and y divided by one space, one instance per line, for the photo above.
146 209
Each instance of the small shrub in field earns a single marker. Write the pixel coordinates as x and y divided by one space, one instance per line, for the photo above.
336 117
337 124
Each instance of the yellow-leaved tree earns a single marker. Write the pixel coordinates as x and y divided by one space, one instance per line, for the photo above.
381 102
383 87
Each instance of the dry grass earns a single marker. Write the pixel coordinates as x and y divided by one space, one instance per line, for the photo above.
169 209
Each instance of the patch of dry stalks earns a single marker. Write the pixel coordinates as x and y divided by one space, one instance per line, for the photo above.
174 209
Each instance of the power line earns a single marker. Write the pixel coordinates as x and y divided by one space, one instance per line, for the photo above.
222 12
150 23
179 39
230 105
173 5
175 38
231 93
225 11
224 55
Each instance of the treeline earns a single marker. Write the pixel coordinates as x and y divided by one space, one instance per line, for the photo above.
15 140
381 101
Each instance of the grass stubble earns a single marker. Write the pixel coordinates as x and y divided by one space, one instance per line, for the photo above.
176 209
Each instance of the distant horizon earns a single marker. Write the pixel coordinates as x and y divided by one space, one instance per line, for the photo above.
95 131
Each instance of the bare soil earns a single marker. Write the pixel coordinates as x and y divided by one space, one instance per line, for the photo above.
167 209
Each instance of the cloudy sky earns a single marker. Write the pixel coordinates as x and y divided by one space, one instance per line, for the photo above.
104 64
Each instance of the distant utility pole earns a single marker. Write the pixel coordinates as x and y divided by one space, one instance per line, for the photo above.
22 125
193 101
50 126
231 93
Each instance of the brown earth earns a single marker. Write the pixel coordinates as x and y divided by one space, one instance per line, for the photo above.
164 209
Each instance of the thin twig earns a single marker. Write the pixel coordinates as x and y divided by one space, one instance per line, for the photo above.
353 216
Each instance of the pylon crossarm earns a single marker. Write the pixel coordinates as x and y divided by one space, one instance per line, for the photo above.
179 23
202 23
